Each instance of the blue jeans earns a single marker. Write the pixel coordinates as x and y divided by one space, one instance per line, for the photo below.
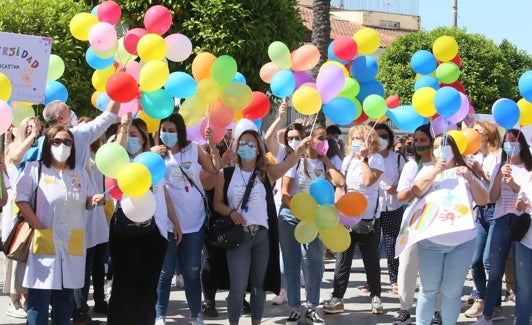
248 263
188 255
442 268
40 299
499 248
523 265
292 258
480 262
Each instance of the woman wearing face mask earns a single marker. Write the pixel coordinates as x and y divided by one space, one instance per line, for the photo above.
184 160
56 262
444 259
313 166
256 261
509 175
363 167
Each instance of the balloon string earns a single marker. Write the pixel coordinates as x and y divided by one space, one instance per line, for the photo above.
1 180
444 141
313 124
109 189
509 159
367 136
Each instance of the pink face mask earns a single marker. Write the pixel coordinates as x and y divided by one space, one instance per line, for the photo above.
321 147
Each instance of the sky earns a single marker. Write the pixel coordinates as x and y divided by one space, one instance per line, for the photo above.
496 20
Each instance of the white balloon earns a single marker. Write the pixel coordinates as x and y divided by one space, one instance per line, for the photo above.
140 208
242 125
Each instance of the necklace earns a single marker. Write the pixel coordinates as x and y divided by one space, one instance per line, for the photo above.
245 186
182 170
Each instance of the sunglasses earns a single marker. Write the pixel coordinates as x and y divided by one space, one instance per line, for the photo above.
383 136
250 144
297 138
57 141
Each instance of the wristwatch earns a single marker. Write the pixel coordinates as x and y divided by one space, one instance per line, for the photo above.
366 159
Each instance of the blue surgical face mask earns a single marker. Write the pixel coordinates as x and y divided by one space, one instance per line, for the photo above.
246 153
355 146
133 145
169 139
512 149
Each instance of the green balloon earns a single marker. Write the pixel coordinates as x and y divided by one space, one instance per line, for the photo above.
305 232
326 217
447 72
374 106
351 88
110 158
224 69
56 67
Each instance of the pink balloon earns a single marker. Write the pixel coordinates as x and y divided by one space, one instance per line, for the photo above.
102 36
349 221
302 77
218 131
330 81
131 39
194 133
7 116
462 111
158 19
309 84
130 107
133 68
179 47
439 125
109 12
111 186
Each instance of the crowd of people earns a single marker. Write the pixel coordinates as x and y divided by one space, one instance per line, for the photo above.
82 235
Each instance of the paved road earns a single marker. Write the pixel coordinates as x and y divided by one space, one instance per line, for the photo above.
357 303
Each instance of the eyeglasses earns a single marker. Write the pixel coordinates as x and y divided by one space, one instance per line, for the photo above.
250 144
297 138
383 136
57 141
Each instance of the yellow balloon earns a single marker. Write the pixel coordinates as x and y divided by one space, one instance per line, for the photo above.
153 75
336 239
151 123
304 206
307 100
305 232
423 101
238 115
5 87
368 40
338 64
445 48
236 95
326 217
192 110
460 140
208 91
134 179
525 109
21 112
80 25
99 78
152 47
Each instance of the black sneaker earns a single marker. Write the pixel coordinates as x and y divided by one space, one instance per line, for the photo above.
313 317
101 308
402 318
246 307
294 317
209 309
436 319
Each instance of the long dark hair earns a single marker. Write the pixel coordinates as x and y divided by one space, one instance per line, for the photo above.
425 128
261 162
294 126
459 160
47 146
181 128
385 127
524 153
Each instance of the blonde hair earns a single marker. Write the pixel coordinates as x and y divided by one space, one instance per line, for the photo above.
493 138
370 135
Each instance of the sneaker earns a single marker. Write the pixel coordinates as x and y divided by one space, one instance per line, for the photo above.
101 308
15 310
376 305
436 318
179 282
198 320
313 317
333 306
280 299
483 321
294 317
476 309
402 318
246 307
160 321
510 296
209 309
472 297
328 255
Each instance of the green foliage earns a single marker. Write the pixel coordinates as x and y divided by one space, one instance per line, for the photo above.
488 72
52 18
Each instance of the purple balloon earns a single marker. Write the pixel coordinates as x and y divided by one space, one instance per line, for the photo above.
440 125
330 82
301 78
194 133
348 221
462 112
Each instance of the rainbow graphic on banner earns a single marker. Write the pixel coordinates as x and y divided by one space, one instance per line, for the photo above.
422 218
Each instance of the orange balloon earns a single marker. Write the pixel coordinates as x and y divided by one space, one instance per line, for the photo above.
352 204
201 66
267 71
473 141
94 96
305 57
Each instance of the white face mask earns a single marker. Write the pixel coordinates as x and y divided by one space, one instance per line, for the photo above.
60 153
383 143
294 144
448 156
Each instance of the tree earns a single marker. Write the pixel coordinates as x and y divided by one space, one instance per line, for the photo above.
487 72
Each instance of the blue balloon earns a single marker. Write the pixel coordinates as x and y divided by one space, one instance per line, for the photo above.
239 78
181 85
96 62
158 104
332 57
525 85
427 81
372 87
406 118
102 101
447 101
55 91
155 164
257 123
322 191
364 68
283 83
505 112
423 62
94 11
340 110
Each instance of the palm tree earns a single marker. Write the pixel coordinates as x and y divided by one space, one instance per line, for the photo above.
321 36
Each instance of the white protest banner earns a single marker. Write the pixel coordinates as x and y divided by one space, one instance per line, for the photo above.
24 59
446 208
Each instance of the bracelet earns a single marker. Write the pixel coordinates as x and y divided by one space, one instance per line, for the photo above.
232 210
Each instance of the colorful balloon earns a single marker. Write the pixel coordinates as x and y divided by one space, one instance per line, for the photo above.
445 48
423 62
330 81
326 217
179 47
121 87
158 104
134 179
322 191
55 90
223 69
447 101
525 112
56 67
283 83
352 204
110 158
279 53
153 75
505 112
102 36
109 11
7 116
111 187
157 19
473 139
344 48
307 100
423 101
5 87
368 40
155 164
180 85
258 108
305 57
460 140
447 72
364 68
236 95
305 232
340 110
221 115
151 47
525 85
336 239
406 118
140 208
267 71
201 66
81 24
374 106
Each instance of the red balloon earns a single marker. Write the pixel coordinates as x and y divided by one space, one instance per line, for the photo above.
393 101
109 12
362 118
457 60
218 132
458 86
258 108
131 39
121 87
345 48
111 187
158 19
220 114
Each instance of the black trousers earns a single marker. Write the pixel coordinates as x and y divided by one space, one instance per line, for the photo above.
137 263
369 248
391 224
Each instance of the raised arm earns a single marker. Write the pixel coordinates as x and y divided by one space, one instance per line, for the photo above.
270 138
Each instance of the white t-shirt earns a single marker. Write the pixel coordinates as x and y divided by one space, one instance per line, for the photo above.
408 174
257 210
352 169
393 164
277 197
506 202
526 193
301 181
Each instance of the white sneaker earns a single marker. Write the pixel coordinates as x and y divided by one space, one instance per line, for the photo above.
483 321
198 320
15 309
280 299
179 282
160 321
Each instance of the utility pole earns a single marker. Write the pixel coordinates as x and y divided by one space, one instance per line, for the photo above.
454 12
